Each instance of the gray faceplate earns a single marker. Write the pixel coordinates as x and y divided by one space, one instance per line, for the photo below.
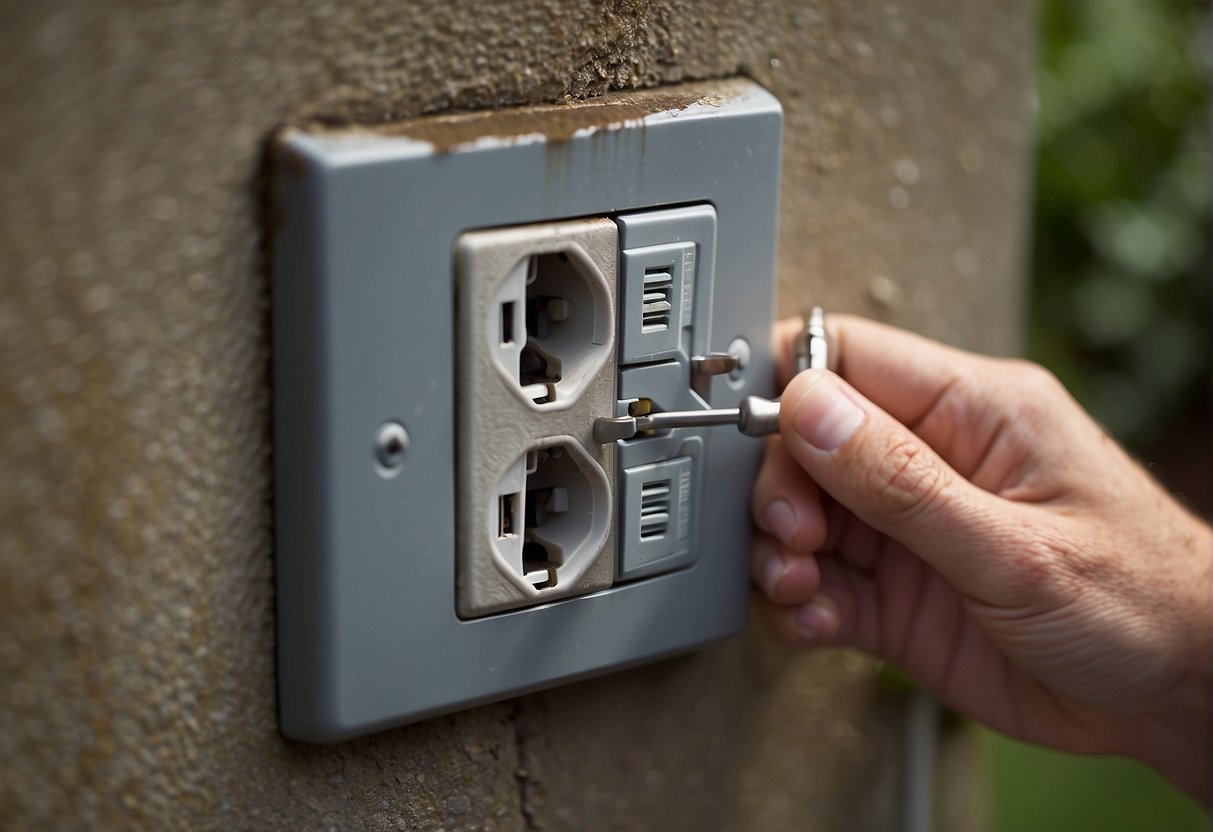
365 225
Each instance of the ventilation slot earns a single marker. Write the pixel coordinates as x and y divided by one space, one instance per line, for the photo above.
654 509
658 300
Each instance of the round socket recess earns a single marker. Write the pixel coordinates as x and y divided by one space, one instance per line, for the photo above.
551 324
553 516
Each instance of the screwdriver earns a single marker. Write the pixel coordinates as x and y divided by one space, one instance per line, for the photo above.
754 416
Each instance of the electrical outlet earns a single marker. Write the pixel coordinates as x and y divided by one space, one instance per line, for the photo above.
539 300
534 365
456 299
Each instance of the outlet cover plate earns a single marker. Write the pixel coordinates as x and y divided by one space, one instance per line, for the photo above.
365 223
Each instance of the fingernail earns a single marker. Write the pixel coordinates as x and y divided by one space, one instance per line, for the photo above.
780 520
817 619
772 573
825 416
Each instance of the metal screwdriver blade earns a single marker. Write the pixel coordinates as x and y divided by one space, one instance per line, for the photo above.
755 416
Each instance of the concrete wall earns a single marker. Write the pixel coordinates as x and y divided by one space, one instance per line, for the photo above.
136 649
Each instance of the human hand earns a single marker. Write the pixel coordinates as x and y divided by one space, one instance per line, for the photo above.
962 518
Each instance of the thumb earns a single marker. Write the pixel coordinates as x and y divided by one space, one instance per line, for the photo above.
889 477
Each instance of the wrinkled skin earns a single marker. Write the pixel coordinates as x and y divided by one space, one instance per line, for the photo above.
962 518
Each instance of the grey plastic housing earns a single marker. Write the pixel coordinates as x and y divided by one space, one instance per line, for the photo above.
656 510
680 242
364 325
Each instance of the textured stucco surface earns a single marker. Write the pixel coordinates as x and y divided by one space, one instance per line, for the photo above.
136 651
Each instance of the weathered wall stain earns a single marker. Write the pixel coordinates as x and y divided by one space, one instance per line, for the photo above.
136 654
557 123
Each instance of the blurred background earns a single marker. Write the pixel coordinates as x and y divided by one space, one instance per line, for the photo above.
1120 310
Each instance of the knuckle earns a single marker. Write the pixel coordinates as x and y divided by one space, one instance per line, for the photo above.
906 482
1043 566
1036 564
961 404
1041 379
1036 382
1028 390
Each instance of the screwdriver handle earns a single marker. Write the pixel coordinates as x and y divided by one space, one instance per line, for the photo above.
758 416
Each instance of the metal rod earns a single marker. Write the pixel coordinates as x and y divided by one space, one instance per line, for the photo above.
687 419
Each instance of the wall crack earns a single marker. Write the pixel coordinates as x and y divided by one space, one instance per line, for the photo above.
522 774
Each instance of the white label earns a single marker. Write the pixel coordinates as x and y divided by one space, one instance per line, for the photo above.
684 507
688 284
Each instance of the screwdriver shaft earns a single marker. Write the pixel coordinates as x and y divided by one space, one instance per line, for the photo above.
755 416
688 418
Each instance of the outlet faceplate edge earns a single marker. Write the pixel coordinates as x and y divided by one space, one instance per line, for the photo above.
363 316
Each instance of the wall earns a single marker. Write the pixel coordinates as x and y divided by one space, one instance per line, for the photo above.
136 654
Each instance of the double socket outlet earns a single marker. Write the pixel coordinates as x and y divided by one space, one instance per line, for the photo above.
553 321
456 300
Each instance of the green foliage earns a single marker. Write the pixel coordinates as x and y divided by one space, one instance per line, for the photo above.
1039 791
1120 299
1120 309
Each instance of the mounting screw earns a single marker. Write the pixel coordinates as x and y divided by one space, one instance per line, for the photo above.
739 349
391 447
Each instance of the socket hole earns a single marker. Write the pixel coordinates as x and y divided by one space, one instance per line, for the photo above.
561 327
534 368
550 325
553 512
507 509
535 559
553 515
550 314
507 323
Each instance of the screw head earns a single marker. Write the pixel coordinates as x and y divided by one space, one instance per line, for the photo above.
739 349
391 447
